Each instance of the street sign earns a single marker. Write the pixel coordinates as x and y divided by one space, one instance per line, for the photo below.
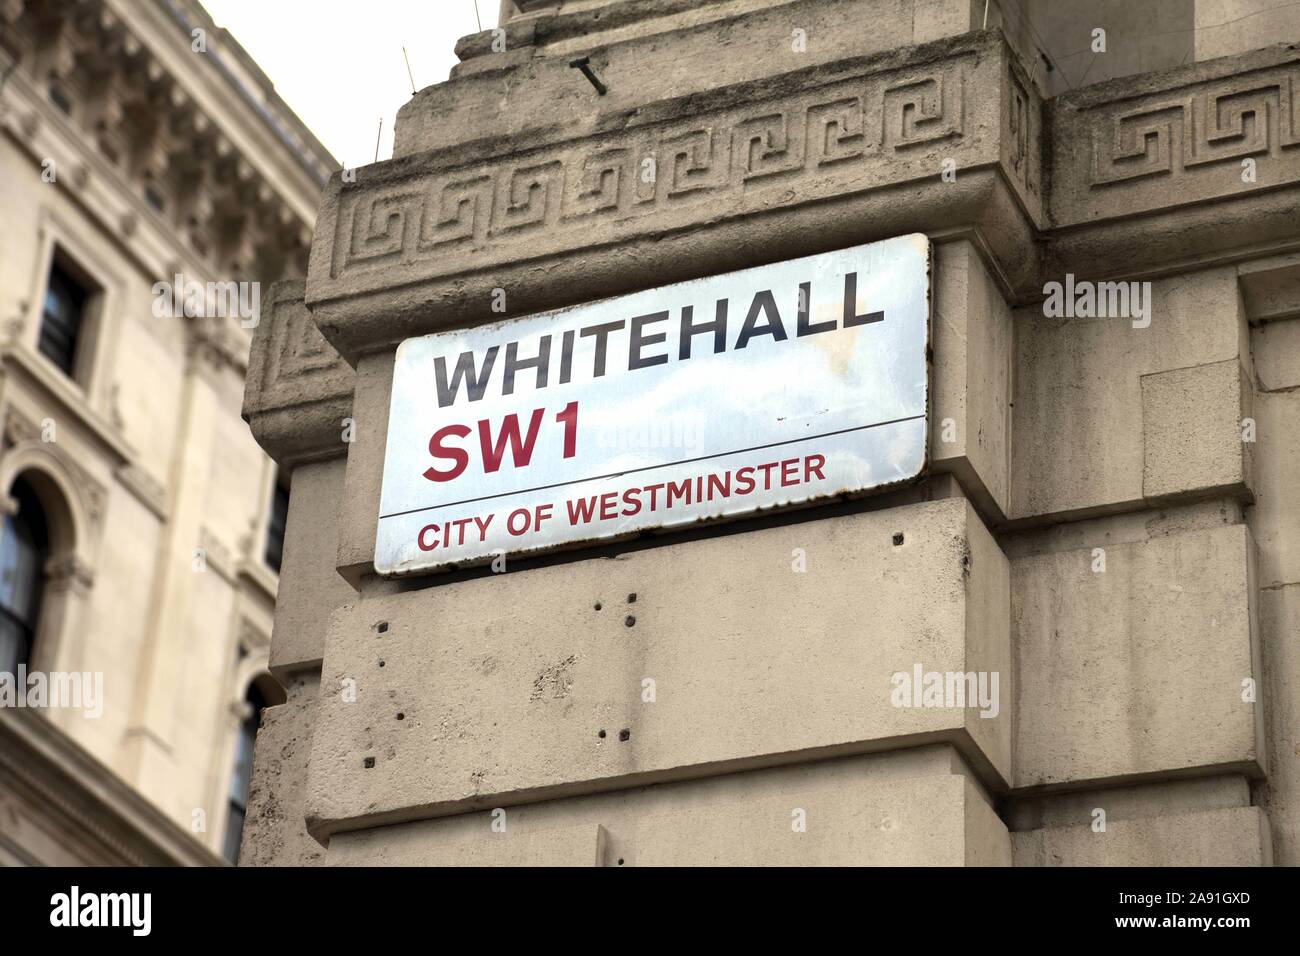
773 386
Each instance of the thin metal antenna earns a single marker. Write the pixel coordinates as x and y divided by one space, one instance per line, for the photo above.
377 135
477 18
408 70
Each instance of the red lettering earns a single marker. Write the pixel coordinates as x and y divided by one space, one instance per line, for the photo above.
459 455
654 493
581 511
789 472
521 450
632 498
814 469
511 522
569 419
678 489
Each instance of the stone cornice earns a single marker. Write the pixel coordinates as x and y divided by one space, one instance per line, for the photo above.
105 818
1139 172
139 124
298 392
738 175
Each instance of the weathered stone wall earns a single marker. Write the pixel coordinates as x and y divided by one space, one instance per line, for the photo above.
1108 522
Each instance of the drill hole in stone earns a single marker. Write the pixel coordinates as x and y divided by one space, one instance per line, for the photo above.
368 763
631 598
898 538
401 716
382 627
597 605
601 734
381 663
630 621
620 861
625 735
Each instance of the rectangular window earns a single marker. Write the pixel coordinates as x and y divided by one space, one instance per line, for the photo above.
63 316
275 525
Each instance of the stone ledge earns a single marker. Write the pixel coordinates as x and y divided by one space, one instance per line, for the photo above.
99 819
1230 837
908 808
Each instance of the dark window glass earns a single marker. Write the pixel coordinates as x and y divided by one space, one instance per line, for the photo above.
61 318
60 99
24 549
275 526
242 778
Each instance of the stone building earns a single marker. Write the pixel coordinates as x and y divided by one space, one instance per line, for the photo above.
142 153
1109 518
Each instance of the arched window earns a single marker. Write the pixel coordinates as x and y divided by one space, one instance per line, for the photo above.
242 777
24 550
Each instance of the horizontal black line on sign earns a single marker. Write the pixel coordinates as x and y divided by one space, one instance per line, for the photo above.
666 464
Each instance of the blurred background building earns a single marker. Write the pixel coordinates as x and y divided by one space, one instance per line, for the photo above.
142 523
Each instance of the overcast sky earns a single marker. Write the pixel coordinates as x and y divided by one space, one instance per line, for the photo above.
338 63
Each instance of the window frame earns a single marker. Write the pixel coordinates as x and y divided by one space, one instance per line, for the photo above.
62 279
99 336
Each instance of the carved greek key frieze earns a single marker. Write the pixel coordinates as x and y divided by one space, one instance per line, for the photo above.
1244 117
851 128
296 364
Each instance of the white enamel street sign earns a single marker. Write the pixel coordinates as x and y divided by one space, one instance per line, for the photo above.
707 399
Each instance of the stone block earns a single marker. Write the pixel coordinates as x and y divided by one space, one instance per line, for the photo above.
1192 431
275 828
972 337
1079 425
500 689
1275 518
310 588
1136 671
1279 795
1276 350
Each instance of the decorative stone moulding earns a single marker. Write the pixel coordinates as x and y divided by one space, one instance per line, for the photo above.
1147 169
803 162
298 393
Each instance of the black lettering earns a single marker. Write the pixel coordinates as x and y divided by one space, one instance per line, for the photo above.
601 332
513 363
763 302
639 341
476 383
566 357
851 317
805 306
689 329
